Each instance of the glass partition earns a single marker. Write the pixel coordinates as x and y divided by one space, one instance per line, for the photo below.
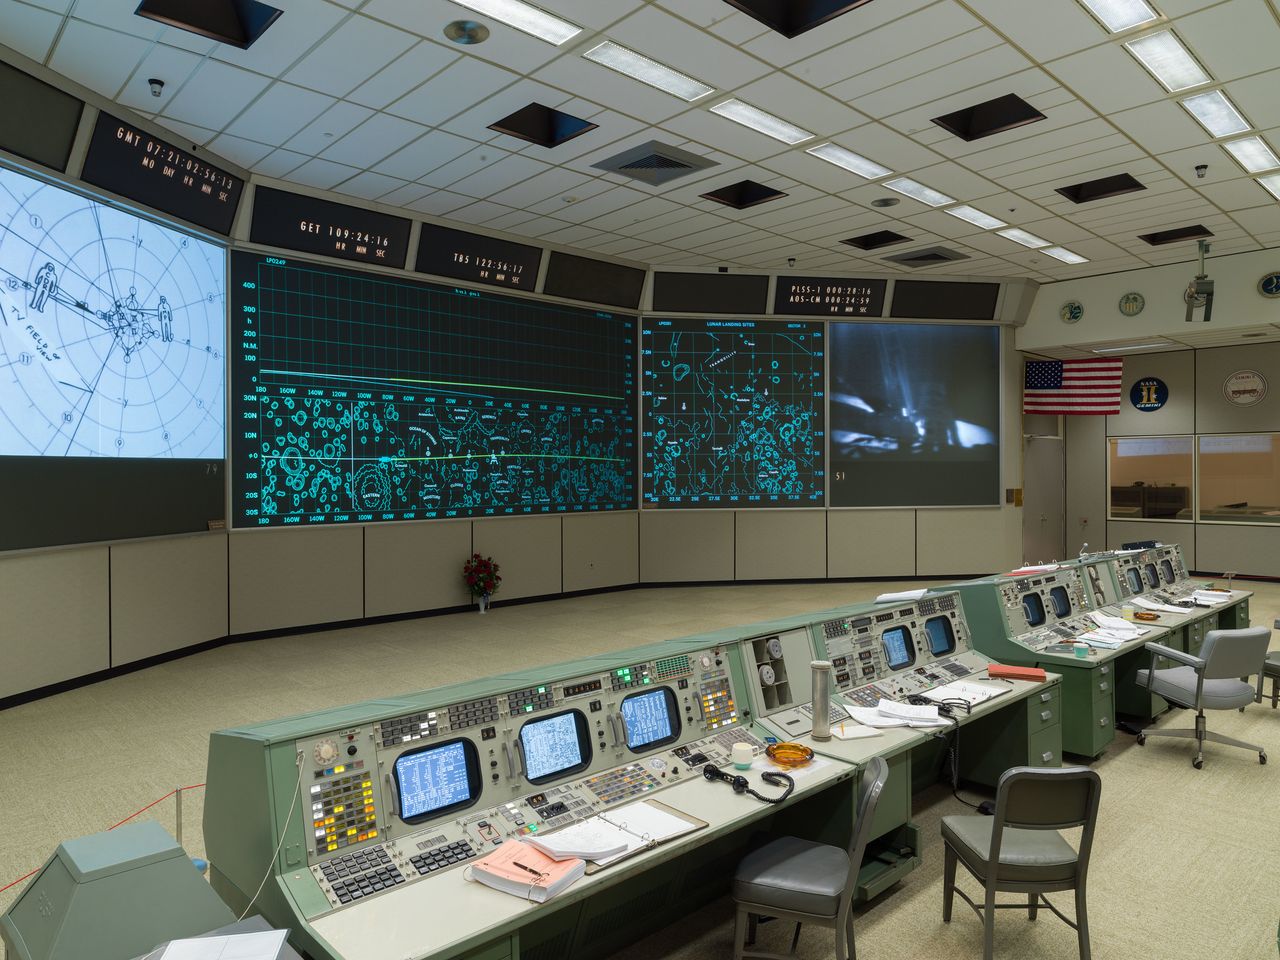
1150 478
1240 478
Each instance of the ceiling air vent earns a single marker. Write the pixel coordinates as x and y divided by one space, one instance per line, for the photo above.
873 241
928 257
655 163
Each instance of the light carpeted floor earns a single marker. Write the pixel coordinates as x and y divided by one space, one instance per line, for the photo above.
1186 863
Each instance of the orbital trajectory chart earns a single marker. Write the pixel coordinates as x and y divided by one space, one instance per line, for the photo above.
112 331
360 397
733 413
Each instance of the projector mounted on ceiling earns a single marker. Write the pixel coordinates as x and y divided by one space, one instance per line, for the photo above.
1199 292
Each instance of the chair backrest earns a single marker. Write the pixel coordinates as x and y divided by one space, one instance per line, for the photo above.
874 775
1047 798
1234 653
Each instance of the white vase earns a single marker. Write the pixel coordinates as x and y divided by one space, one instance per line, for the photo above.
483 602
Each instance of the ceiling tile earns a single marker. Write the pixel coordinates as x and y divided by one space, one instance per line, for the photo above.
403 74
29 30
235 88
709 59
1233 39
372 141
1107 78
303 24
244 152
423 155
279 163
326 129
1045 30
322 174
78 55
341 62
279 113
451 91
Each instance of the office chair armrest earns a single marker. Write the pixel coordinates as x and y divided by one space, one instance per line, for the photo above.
1168 653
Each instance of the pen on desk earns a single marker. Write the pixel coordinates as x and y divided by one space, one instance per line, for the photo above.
536 873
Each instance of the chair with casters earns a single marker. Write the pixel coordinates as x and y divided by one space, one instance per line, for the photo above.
1019 849
1211 681
1271 671
806 882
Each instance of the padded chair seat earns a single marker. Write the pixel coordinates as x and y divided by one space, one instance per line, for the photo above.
793 874
1179 684
1026 856
1272 667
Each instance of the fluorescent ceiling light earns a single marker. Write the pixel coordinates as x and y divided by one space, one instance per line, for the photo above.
1065 255
1216 113
1168 61
526 17
1253 154
1133 346
918 191
758 120
1272 183
655 74
976 217
1118 15
834 153
1024 238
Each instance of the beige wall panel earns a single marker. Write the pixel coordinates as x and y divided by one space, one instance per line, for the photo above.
679 545
415 566
1132 531
54 618
1177 370
781 545
167 594
1249 550
968 541
1086 501
295 577
527 549
871 543
601 550
1214 414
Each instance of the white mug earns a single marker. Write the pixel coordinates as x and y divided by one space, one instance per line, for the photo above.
742 755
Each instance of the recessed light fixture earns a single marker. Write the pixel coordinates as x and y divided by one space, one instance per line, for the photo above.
1168 61
1065 255
1253 154
848 160
1271 182
1133 346
639 67
761 122
976 217
525 17
1021 236
918 191
1216 113
466 32
1118 15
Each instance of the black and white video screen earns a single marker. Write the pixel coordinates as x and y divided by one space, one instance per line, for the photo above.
915 414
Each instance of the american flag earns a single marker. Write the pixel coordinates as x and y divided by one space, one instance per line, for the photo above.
1073 387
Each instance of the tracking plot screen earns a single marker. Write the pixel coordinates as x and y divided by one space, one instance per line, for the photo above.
733 413
555 746
651 718
359 397
898 652
112 331
915 414
437 779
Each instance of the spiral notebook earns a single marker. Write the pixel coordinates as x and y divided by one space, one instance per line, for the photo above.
617 834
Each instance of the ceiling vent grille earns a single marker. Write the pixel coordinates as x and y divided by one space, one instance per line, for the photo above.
927 257
654 163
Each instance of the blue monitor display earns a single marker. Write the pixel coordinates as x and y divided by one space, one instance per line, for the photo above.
651 718
437 779
1135 579
555 746
1166 571
1033 609
898 652
1153 578
942 638
1060 602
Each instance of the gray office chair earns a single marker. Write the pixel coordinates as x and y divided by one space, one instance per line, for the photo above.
1271 671
1210 680
1022 841
804 881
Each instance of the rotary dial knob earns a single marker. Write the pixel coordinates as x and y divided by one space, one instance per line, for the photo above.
326 752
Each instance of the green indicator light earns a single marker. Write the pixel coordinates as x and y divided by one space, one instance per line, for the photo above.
529 708
542 689
533 828
648 680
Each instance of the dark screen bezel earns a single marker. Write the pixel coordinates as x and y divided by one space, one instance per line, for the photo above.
1056 593
472 757
1167 571
951 633
1131 574
1149 573
909 644
1026 613
673 712
584 746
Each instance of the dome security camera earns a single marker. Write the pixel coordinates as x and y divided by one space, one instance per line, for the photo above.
156 85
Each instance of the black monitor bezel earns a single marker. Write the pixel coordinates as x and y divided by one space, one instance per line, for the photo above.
1131 574
474 783
909 644
1149 573
584 746
1044 614
673 711
1056 592
950 633
1167 573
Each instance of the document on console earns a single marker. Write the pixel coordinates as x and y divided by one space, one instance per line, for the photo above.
244 946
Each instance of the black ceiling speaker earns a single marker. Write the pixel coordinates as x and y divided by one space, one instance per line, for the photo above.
235 22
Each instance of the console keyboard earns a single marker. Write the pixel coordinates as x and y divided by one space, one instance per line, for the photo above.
358 875
441 857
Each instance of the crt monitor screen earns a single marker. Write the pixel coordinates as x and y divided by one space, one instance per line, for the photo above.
436 780
1033 609
1135 579
651 719
942 639
1153 578
1166 571
555 746
898 651
1060 602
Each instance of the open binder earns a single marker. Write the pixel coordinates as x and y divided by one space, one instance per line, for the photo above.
619 833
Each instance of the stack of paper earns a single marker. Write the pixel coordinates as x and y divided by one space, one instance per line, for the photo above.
1213 597
524 871
902 597
1038 568
1112 632
970 691
890 713
615 835
1154 605
243 946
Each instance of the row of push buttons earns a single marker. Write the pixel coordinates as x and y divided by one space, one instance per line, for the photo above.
442 857
357 875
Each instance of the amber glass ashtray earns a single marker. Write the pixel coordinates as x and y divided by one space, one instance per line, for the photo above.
789 754
1145 615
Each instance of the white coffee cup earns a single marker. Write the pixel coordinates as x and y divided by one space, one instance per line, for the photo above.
742 755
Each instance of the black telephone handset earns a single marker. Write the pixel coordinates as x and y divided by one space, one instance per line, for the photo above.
742 785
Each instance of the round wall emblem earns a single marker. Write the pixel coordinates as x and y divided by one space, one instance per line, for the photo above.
1148 394
1244 388
1071 311
1132 304
1269 285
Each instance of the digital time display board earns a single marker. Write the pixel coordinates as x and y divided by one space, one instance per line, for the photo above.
444 252
829 296
312 225
361 397
131 162
733 413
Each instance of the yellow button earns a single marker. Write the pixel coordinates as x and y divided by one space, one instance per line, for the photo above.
333 846
339 769
351 832
372 834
